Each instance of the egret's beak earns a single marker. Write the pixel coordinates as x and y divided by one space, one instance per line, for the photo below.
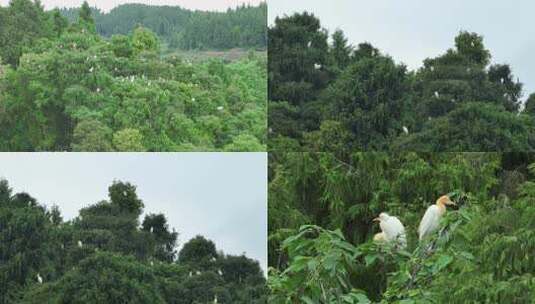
376 219
453 203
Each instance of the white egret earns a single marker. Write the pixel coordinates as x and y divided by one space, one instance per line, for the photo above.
39 279
309 44
151 263
98 90
151 229
437 95
392 229
379 237
91 70
198 273
406 130
317 66
432 216
190 274
215 299
220 108
502 80
220 272
80 244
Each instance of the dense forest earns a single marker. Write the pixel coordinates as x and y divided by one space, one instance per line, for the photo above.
242 27
328 95
321 228
63 87
105 255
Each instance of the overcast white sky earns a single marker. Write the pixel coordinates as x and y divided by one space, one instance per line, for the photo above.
107 5
222 196
413 30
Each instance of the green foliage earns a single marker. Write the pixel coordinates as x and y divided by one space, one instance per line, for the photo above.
242 27
196 250
143 40
128 140
330 96
321 248
22 24
81 92
85 13
104 256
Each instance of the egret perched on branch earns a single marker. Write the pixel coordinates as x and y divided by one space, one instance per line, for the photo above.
215 299
39 279
432 216
392 229
80 244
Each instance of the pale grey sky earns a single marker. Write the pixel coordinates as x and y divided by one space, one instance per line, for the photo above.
107 5
222 196
413 30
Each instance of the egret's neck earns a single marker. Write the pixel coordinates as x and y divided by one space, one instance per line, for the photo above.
441 208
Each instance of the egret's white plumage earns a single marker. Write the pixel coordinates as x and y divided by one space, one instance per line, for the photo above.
317 66
80 244
432 216
392 228
39 279
437 95
379 237
405 130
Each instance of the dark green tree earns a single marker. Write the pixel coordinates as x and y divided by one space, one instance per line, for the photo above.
86 14
197 250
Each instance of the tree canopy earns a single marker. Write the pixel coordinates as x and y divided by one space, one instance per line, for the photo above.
104 255
327 95
65 88
241 27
